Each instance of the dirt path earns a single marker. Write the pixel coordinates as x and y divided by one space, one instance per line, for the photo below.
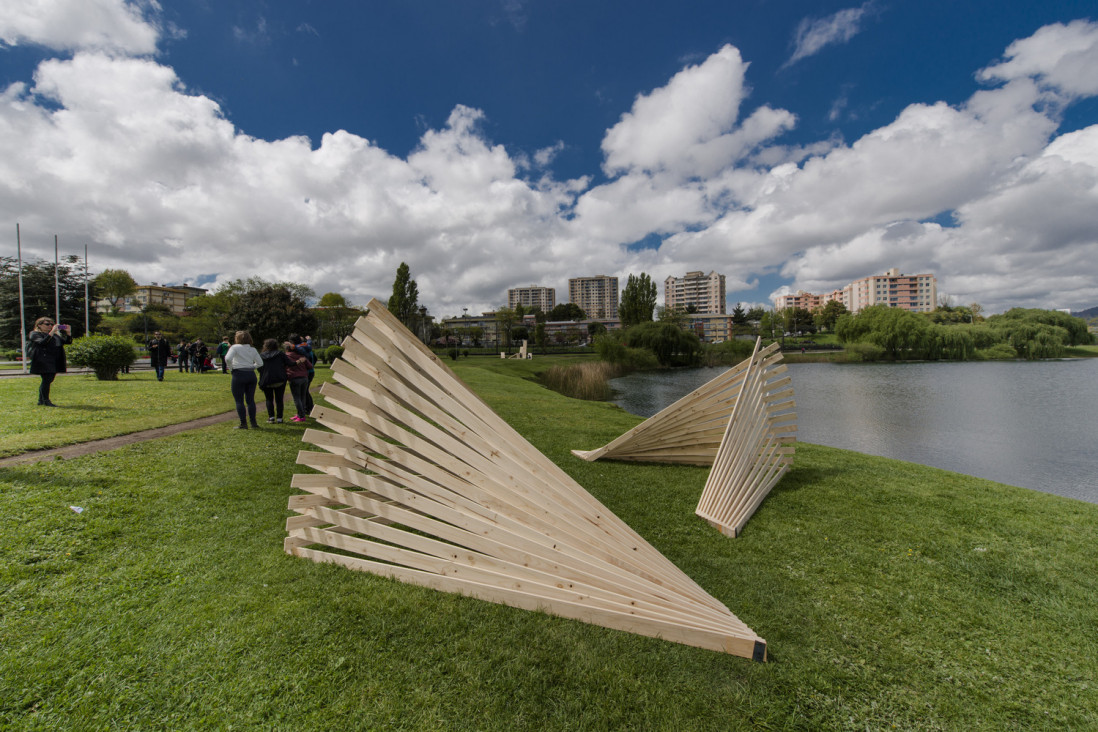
111 443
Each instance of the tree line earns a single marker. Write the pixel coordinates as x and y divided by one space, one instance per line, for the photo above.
881 332
266 309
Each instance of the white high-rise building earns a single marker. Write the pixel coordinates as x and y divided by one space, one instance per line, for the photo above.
533 296
597 296
704 291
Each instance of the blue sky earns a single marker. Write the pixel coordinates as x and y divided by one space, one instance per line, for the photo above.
499 143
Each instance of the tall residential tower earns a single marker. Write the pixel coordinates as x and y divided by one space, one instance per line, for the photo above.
597 296
704 291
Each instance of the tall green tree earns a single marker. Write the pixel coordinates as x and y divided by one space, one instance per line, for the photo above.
403 301
208 315
271 312
739 317
541 338
238 287
115 285
567 311
827 315
337 317
506 320
638 300
38 296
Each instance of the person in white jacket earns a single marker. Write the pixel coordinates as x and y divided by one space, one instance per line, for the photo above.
242 360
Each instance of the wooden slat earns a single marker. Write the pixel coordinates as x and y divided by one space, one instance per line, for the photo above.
417 479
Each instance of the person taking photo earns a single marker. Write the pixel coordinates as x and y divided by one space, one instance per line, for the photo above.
46 351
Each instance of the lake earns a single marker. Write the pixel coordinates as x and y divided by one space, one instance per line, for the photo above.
1024 423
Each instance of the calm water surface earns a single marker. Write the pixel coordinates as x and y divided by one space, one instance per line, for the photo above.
1030 424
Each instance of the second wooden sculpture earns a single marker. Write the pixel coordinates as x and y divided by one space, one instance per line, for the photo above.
742 423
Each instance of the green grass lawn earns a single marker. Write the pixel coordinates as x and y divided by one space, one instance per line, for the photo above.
89 409
891 596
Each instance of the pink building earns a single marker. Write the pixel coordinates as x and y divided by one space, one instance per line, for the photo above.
917 293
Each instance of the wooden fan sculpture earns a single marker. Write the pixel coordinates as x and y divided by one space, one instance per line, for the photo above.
420 481
741 423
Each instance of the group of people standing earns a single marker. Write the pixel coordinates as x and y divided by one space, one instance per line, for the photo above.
291 364
196 357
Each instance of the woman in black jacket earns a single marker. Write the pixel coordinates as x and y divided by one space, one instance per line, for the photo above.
272 378
47 354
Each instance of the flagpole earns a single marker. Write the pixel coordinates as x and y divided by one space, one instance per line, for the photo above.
87 320
56 284
22 316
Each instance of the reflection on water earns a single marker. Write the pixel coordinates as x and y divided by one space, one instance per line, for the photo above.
1030 424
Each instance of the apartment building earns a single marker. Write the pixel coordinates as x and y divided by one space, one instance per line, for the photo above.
799 299
710 327
534 296
174 297
704 291
917 293
597 296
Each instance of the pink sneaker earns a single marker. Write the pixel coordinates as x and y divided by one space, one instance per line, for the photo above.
295 418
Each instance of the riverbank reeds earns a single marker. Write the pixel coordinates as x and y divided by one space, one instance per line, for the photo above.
891 596
590 380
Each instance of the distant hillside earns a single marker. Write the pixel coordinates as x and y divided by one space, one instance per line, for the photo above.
1088 313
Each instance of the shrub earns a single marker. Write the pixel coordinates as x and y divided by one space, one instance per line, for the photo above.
729 352
453 352
105 355
613 351
331 353
863 351
671 345
997 352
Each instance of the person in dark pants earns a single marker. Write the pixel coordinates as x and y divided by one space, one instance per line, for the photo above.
222 349
272 378
305 349
159 350
198 357
46 351
298 376
243 360
181 351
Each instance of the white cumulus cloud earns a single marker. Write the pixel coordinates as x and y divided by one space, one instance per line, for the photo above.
109 148
118 26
